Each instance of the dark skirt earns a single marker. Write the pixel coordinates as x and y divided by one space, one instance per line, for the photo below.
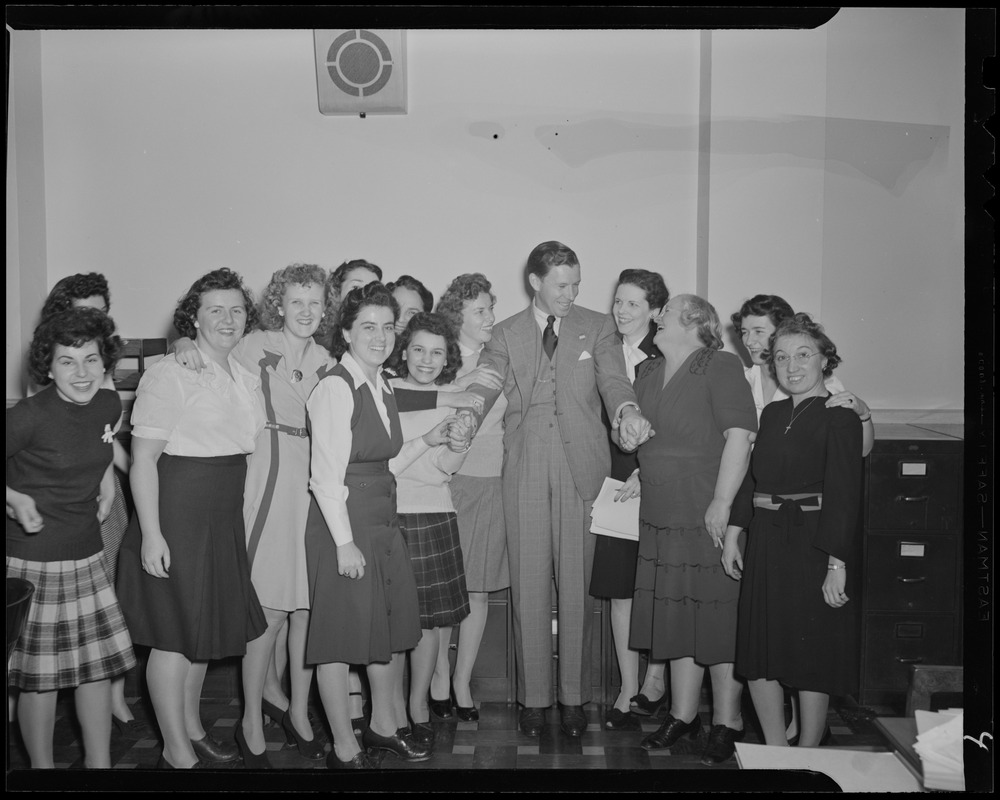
684 604
613 574
363 620
436 558
207 608
74 632
786 630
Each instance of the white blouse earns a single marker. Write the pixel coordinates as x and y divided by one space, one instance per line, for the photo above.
199 414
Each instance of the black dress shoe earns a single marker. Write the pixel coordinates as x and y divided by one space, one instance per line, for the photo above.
572 720
423 733
465 713
621 721
721 744
440 708
360 761
131 729
308 748
212 751
670 731
251 760
404 747
532 721
644 707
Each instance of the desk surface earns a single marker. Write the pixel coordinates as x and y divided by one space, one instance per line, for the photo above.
901 733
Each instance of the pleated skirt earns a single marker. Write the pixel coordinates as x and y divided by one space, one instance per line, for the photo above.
207 608
436 558
74 632
684 604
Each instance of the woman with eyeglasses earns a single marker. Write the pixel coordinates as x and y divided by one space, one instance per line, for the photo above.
801 500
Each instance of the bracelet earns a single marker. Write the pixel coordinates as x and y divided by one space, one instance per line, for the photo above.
867 419
836 566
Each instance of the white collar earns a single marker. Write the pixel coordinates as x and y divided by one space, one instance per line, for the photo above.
351 364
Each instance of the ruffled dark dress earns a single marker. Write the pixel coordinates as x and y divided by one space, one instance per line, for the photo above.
786 630
684 604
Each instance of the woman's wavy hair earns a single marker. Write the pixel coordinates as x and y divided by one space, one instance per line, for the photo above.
439 325
411 283
339 275
186 313
295 275
698 312
657 294
76 287
803 325
360 297
73 327
771 306
463 289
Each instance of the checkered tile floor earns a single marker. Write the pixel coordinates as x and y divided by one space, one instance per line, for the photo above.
492 743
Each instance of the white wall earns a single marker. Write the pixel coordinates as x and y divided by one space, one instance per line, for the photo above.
169 153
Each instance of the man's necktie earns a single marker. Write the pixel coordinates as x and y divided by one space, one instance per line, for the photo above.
549 338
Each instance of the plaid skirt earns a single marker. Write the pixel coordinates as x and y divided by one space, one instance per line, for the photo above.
74 633
436 557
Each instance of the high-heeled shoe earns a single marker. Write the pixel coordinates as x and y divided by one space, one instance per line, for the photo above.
440 708
211 750
404 747
643 706
272 711
464 713
131 729
360 761
422 732
251 760
308 748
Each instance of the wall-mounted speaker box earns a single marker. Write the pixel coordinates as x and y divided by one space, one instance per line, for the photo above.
361 71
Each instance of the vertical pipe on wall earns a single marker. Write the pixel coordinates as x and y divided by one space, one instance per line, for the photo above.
704 161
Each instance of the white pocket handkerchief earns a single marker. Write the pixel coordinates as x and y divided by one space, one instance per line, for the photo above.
584 356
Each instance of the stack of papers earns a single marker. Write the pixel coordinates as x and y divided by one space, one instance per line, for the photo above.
609 518
939 745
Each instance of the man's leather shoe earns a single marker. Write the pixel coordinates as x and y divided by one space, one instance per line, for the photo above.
670 731
532 721
212 751
721 744
572 720
402 744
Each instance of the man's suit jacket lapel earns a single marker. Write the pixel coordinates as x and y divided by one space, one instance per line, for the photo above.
524 344
572 341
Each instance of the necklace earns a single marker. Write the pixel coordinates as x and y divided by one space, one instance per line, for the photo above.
800 410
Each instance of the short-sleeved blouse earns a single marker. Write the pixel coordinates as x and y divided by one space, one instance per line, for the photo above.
199 414
679 466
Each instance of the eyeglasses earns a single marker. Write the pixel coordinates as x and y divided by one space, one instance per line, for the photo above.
782 359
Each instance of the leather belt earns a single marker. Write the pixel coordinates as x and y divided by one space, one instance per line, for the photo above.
806 501
302 433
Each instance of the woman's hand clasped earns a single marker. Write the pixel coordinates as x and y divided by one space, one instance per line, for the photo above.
350 561
22 508
155 556
833 588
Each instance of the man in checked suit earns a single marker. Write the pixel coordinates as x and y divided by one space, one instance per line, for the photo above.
558 362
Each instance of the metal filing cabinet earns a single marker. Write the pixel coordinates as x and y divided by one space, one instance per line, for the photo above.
911 606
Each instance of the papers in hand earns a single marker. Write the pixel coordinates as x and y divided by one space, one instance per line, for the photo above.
609 518
939 745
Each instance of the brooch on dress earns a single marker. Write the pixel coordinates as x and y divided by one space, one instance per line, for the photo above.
296 375
109 435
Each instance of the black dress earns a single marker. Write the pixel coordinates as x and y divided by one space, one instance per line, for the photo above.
786 631
613 574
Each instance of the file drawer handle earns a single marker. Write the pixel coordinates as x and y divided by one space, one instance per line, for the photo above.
901 579
905 499
916 660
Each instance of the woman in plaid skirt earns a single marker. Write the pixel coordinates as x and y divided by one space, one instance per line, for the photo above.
428 359
59 488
